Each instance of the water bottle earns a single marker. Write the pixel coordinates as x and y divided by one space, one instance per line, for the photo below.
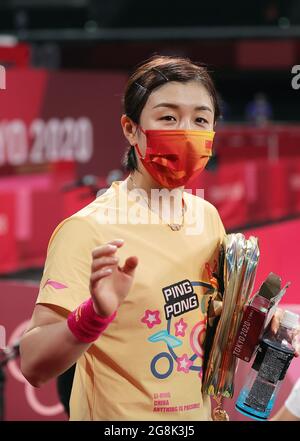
272 360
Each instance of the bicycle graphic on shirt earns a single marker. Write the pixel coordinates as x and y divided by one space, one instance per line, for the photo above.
172 342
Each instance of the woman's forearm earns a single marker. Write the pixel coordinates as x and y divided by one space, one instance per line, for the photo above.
49 350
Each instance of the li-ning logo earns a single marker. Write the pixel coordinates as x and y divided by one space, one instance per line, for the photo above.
55 284
2 78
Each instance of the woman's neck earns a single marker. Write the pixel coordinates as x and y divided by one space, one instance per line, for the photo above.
146 183
139 181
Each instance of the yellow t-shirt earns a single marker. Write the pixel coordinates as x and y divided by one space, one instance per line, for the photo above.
147 365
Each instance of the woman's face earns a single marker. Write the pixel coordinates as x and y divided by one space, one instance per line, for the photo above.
174 106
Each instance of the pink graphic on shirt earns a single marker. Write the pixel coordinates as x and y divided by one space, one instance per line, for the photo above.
197 338
151 318
184 363
55 284
180 328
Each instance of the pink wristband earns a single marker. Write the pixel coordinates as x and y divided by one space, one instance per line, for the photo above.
86 324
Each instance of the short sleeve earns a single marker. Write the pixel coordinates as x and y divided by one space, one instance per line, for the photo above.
66 276
292 403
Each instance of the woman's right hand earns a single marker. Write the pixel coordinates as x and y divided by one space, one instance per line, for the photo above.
109 283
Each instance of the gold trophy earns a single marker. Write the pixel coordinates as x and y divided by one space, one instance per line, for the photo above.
233 285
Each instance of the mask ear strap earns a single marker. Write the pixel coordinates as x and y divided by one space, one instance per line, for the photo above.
138 151
136 145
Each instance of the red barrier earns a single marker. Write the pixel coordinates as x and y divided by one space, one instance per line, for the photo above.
294 186
226 189
248 192
18 55
279 247
242 142
8 244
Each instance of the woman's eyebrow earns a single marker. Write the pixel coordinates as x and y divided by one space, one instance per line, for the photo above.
176 106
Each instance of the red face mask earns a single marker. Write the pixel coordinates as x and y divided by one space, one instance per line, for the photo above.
175 156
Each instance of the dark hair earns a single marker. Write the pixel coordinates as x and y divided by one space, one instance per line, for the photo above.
153 73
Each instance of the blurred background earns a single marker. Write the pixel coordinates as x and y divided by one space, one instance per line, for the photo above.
66 63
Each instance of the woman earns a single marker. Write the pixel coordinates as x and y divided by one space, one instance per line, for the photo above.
126 282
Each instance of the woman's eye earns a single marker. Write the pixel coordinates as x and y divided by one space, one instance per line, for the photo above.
168 118
201 120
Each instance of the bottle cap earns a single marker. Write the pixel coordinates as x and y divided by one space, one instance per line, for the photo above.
289 319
